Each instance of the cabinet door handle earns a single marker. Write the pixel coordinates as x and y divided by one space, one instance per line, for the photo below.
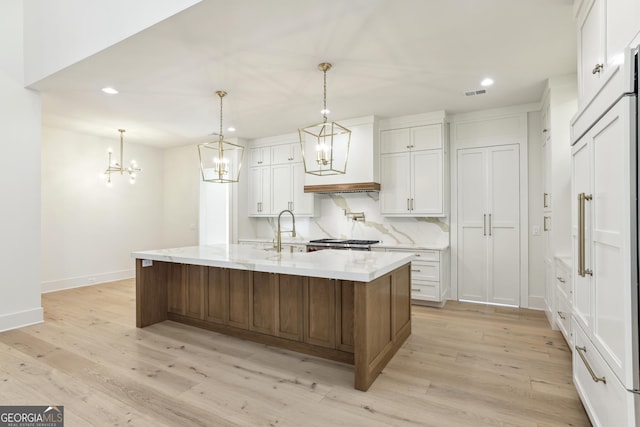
416 270
415 290
597 69
484 224
545 130
545 200
582 271
408 206
418 255
595 378
560 279
561 315
412 205
408 146
545 226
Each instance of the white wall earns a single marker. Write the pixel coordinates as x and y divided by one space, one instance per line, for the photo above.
89 229
19 179
181 196
59 33
536 242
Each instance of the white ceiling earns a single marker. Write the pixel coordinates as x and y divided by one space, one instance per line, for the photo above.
390 57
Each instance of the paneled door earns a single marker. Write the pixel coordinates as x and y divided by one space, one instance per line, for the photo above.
489 224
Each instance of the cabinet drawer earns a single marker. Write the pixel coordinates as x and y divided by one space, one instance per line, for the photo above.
424 289
563 316
563 280
607 403
420 255
425 270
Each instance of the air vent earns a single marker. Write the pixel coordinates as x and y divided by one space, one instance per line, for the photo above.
476 92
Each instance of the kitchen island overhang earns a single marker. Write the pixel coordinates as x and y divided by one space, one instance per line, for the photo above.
349 306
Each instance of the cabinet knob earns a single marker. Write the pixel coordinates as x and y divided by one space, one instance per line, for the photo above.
597 69
545 130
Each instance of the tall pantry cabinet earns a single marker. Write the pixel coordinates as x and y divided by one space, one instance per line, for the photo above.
604 214
489 224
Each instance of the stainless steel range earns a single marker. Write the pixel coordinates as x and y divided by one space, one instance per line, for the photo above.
356 245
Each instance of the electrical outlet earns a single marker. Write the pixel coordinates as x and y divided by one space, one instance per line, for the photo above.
536 230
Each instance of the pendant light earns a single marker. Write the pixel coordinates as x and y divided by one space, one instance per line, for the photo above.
220 161
118 167
325 146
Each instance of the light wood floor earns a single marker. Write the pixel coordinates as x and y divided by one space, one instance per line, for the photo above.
464 365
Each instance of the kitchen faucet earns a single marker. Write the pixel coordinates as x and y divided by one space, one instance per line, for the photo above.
292 231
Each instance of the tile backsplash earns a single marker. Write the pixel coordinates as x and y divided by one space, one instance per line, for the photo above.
332 222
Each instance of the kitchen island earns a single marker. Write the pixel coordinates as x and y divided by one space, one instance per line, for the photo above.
349 306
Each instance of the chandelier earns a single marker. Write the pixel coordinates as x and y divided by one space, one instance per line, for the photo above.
220 161
325 146
118 167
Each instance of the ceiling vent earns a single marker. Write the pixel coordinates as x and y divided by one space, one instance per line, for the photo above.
475 92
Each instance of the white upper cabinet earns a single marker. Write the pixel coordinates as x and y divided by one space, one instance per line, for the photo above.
605 29
259 156
276 179
285 153
288 190
259 191
413 168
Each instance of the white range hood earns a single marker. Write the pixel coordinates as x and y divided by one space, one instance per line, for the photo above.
362 164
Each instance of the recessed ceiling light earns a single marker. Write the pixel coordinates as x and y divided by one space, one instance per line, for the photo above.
109 90
231 129
487 82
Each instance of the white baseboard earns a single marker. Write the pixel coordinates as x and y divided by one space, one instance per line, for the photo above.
21 319
536 303
94 279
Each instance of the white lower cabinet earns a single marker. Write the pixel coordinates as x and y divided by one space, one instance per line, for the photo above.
604 397
429 276
563 299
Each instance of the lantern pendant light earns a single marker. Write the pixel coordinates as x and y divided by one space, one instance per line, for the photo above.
220 161
325 146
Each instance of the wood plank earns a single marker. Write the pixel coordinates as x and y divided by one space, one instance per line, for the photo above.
344 316
217 295
176 287
319 309
92 345
289 307
239 285
196 282
262 296
151 288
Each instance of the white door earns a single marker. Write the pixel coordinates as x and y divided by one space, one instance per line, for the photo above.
613 197
281 181
503 223
581 182
488 224
395 180
303 203
472 225
426 182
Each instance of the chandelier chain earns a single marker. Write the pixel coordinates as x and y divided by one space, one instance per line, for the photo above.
221 137
324 99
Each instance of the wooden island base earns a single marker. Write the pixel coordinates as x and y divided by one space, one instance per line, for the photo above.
360 323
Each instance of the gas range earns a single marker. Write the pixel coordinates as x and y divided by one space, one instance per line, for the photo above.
356 245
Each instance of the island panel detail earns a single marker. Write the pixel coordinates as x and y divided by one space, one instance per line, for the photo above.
360 323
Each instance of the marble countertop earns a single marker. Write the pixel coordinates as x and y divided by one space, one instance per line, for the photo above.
360 266
434 246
